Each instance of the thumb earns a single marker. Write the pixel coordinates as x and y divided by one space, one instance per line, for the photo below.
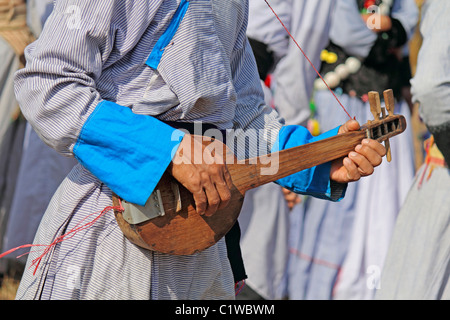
351 125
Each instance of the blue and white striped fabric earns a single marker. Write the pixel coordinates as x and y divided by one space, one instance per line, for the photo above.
264 217
417 261
334 245
309 27
91 62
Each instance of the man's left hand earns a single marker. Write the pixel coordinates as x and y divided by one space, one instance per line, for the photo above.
360 162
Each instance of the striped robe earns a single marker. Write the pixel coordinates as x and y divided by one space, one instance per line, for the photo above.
97 84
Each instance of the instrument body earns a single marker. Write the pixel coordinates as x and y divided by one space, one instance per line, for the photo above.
179 230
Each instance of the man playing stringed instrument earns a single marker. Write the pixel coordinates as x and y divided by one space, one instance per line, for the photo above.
112 83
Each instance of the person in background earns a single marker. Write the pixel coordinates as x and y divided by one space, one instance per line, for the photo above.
14 37
288 80
417 265
337 250
40 172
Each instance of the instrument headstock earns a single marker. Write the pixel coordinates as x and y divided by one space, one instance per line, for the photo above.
384 125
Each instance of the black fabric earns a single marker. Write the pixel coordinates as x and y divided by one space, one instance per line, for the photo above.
264 58
381 51
233 237
381 69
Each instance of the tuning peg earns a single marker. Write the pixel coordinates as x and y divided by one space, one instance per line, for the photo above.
375 104
387 144
375 108
389 101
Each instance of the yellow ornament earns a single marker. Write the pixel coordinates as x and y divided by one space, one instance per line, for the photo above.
331 58
328 57
313 127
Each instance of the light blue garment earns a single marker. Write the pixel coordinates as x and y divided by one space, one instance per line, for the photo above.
264 222
40 173
41 168
349 31
264 27
377 205
12 139
37 13
418 260
294 76
317 245
206 73
334 244
430 83
315 181
8 101
264 217
10 155
103 148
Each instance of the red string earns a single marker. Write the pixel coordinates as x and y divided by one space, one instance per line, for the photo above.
318 73
36 262
238 287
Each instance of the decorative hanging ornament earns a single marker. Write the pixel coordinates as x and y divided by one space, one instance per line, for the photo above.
383 7
313 126
340 73
306 57
352 65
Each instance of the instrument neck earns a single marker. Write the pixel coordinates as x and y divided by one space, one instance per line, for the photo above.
277 165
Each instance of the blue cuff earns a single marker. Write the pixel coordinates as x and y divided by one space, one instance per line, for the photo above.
126 151
314 181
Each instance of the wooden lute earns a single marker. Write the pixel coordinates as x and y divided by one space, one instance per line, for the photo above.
169 222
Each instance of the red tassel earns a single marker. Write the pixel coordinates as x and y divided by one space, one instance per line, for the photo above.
36 262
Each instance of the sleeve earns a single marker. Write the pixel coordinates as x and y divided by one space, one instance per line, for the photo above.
310 24
431 83
253 117
314 181
37 13
58 95
405 13
349 31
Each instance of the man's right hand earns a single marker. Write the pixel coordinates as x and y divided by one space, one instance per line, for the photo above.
204 174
